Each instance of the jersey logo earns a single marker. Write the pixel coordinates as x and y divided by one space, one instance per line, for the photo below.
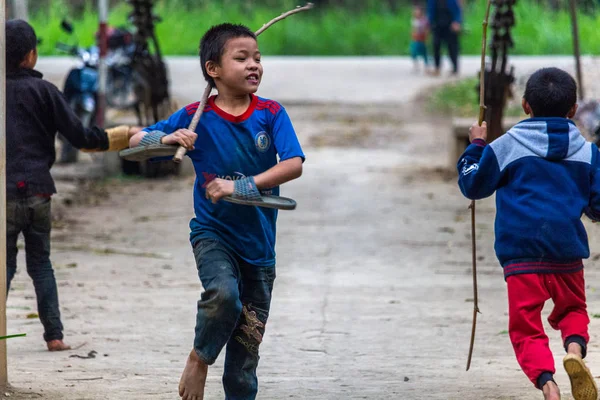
209 177
262 141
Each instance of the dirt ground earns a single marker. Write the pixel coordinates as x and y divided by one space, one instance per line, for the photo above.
373 296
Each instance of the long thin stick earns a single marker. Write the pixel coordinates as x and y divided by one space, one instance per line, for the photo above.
181 150
472 206
3 359
576 52
13 336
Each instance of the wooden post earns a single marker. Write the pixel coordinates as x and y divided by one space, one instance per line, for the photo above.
3 368
576 52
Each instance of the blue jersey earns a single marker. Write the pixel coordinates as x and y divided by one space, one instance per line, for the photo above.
232 147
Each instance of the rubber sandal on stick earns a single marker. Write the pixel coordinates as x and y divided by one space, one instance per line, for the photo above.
182 150
472 206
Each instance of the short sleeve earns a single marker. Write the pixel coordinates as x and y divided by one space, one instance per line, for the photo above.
180 119
284 137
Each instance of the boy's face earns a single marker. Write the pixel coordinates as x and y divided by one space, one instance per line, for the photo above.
240 69
417 12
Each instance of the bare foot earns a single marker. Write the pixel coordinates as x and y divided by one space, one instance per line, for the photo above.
551 391
57 345
193 378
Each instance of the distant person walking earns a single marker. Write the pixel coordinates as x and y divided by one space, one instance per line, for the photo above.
445 20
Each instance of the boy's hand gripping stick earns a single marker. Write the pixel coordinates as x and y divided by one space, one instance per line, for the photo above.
181 150
472 206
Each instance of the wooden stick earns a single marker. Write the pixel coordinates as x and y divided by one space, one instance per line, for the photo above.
182 150
3 358
482 106
472 206
576 52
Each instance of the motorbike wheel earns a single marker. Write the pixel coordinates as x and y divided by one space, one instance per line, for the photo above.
159 169
130 167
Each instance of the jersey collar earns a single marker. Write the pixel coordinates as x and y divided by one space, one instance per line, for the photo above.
234 118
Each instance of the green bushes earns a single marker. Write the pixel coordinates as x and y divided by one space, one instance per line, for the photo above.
375 29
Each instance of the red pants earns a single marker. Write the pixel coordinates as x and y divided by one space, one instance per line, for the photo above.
527 294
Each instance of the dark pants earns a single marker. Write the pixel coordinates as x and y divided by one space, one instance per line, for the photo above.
31 216
232 312
451 39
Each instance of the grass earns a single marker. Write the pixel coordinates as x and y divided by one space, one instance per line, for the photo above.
325 31
461 99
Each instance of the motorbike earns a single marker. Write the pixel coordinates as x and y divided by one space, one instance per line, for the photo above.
122 81
80 89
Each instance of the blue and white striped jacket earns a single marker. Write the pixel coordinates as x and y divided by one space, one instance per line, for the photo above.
545 176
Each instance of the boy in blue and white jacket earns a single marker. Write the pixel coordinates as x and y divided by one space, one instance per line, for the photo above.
545 177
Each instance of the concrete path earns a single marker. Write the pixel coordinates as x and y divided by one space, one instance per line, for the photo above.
345 80
373 298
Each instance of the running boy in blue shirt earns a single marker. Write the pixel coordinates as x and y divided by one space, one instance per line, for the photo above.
234 151
545 176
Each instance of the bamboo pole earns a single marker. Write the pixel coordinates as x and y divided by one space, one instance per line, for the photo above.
3 366
576 51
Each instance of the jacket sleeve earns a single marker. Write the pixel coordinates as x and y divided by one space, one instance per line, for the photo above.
456 11
593 208
431 11
70 126
478 171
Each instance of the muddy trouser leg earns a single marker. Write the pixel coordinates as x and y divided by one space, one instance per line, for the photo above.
39 267
13 228
241 359
219 306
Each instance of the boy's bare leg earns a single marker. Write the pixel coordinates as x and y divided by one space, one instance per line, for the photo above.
575 348
57 345
551 391
193 378
583 386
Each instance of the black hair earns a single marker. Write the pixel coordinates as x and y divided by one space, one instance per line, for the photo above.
20 40
550 92
212 44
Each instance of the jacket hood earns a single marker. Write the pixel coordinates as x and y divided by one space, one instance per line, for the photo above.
550 138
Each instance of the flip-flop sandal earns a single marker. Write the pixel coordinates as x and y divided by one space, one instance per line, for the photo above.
142 153
267 201
583 386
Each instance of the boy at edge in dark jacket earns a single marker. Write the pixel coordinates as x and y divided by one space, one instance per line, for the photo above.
35 111
545 176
